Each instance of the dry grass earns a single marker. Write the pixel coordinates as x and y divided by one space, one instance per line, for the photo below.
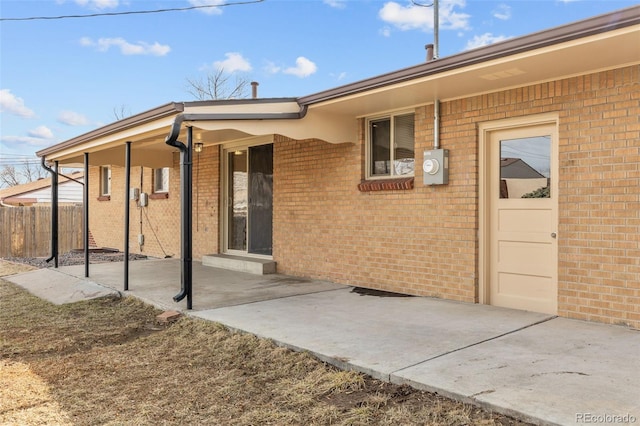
105 362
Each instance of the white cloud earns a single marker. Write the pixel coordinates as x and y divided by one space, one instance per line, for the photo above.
412 17
234 62
272 68
208 10
26 140
338 4
385 32
41 132
12 104
126 48
304 68
502 12
484 40
98 4
71 118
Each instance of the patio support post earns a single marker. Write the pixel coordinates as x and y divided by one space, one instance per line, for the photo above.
85 202
127 188
54 210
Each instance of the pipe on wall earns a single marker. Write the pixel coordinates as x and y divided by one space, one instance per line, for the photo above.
436 124
186 172
54 211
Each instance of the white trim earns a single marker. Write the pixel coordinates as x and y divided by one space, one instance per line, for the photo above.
161 189
367 148
104 193
223 233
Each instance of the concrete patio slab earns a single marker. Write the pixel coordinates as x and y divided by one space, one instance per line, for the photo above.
371 334
535 367
156 281
559 372
59 288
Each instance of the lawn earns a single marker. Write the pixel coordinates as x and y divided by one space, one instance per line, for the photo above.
107 361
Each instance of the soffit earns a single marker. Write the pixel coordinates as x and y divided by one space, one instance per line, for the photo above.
605 51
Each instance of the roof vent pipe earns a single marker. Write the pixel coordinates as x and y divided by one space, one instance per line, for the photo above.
429 48
254 89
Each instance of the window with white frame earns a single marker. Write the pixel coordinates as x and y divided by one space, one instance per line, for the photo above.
390 146
105 180
161 180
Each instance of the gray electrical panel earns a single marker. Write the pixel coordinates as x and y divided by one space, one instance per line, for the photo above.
435 166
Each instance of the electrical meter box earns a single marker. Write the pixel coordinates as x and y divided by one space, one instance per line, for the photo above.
435 166
134 194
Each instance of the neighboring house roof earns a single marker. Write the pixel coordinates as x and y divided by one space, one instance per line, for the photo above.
516 168
39 191
600 43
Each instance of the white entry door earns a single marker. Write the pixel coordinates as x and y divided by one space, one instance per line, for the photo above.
522 210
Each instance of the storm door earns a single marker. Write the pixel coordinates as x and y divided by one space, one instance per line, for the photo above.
249 192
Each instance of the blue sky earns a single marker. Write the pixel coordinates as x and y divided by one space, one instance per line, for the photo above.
60 78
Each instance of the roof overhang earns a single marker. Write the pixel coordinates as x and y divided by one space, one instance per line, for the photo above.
213 122
601 43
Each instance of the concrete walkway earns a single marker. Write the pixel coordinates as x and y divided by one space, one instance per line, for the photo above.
535 367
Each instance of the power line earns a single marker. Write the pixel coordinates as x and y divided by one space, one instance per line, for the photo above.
134 12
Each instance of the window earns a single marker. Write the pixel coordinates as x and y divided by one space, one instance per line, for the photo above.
390 146
525 167
105 180
161 180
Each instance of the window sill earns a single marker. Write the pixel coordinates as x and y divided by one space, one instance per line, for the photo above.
386 184
159 195
104 198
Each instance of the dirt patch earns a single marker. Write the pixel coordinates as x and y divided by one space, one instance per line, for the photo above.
105 361
75 258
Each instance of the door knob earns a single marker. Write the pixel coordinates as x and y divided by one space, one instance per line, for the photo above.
553 235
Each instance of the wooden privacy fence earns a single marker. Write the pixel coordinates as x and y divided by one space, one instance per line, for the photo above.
26 231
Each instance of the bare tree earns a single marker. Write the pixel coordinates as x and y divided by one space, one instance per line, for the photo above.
9 176
122 111
32 171
29 171
218 85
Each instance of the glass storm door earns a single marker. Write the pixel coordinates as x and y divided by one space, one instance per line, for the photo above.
249 218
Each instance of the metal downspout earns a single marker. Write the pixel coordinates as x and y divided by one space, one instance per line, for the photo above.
185 210
85 199
54 211
127 184
186 178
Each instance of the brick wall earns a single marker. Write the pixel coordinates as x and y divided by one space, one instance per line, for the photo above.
420 241
423 240
159 222
600 196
